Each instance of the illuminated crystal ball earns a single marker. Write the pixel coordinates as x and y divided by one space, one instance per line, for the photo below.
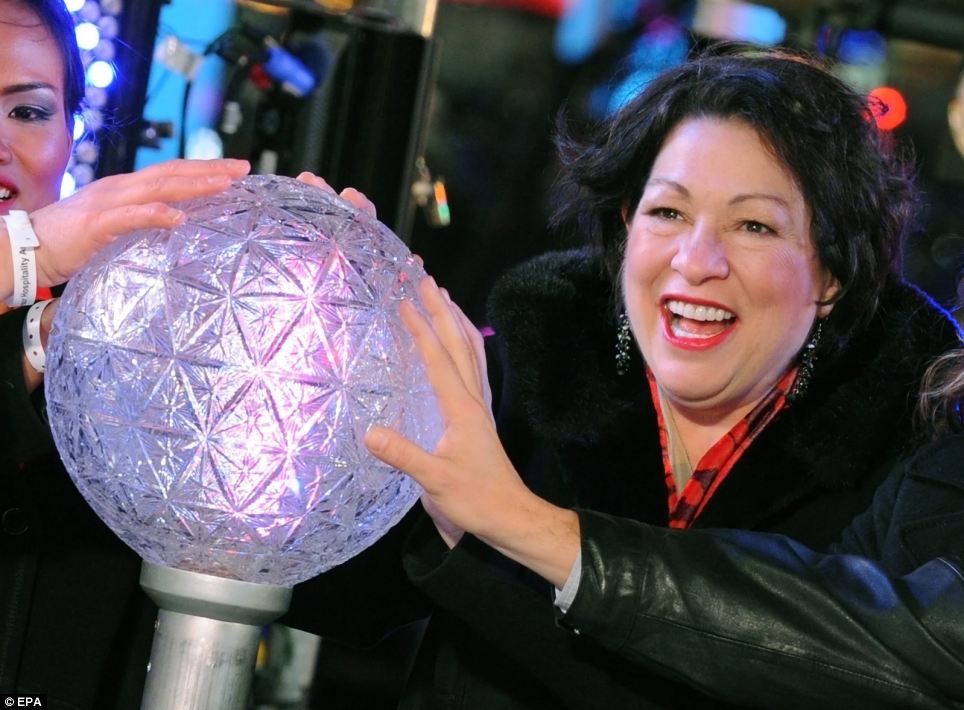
209 386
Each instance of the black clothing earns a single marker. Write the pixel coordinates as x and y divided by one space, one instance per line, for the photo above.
852 632
587 438
74 623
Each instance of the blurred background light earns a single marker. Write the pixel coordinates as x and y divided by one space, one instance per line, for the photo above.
87 35
89 11
112 7
67 186
732 20
108 26
888 106
100 74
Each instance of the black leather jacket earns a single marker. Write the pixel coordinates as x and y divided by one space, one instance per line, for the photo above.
762 621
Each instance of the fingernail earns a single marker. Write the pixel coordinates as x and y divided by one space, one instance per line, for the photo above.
445 294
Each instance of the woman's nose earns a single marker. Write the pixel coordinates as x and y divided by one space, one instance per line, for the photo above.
701 255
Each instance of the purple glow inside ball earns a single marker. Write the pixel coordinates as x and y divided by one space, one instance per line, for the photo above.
209 386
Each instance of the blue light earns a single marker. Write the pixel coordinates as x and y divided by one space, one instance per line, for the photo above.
100 74
762 25
742 21
87 35
74 5
861 47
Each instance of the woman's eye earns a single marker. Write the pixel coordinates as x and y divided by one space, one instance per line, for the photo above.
30 113
664 213
758 227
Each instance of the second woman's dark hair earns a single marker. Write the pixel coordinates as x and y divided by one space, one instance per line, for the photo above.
53 14
861 196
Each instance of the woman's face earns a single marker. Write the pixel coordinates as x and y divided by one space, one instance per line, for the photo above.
720 277
35 142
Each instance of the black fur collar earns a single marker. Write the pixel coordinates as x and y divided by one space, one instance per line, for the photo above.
556 318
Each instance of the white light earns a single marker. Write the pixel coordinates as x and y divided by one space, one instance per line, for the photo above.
87 35
205 144
79 127
112 7
100 74
74 5
68 186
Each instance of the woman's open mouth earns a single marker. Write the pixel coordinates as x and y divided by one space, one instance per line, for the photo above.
696 326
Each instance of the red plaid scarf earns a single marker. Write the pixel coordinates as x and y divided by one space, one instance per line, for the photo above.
716 463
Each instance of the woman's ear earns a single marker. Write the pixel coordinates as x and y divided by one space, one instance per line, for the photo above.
831 288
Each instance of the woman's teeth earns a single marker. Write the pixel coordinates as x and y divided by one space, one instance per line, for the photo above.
700 313
5 193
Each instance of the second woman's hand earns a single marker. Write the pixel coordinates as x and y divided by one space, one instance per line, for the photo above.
469 482
72 230
355 198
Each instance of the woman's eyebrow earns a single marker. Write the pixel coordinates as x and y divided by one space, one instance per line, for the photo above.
668 183
25 87
760 196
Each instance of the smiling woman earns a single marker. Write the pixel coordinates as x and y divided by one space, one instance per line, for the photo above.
34 109
758 372
726 229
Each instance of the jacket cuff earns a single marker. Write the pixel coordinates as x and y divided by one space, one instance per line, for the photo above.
609 588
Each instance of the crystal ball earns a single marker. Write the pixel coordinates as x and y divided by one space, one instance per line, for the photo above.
209 386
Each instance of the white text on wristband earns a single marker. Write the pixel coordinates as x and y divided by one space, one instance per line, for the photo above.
23 245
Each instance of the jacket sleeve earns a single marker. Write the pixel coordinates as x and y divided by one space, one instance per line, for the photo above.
25 431
760 620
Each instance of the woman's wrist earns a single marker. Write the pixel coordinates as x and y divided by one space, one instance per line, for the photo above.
35 362
36 328
23 243
543 537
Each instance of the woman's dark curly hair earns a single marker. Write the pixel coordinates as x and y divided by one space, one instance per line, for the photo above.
860 194
54 16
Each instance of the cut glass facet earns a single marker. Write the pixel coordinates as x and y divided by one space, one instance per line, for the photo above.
209 386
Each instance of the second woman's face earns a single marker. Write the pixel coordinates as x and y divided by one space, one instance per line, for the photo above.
34 140
721 279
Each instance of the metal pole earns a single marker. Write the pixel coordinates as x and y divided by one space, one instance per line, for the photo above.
206 638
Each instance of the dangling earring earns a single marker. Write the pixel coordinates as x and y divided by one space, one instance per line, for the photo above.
623 340
808 358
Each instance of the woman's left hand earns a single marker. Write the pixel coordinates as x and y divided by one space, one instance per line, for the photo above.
469 482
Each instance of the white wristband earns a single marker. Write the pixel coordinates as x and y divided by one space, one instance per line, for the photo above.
32 344
23 245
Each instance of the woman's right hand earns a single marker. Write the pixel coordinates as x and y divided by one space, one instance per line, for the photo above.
72 230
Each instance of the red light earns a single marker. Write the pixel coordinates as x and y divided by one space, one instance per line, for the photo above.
888 107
